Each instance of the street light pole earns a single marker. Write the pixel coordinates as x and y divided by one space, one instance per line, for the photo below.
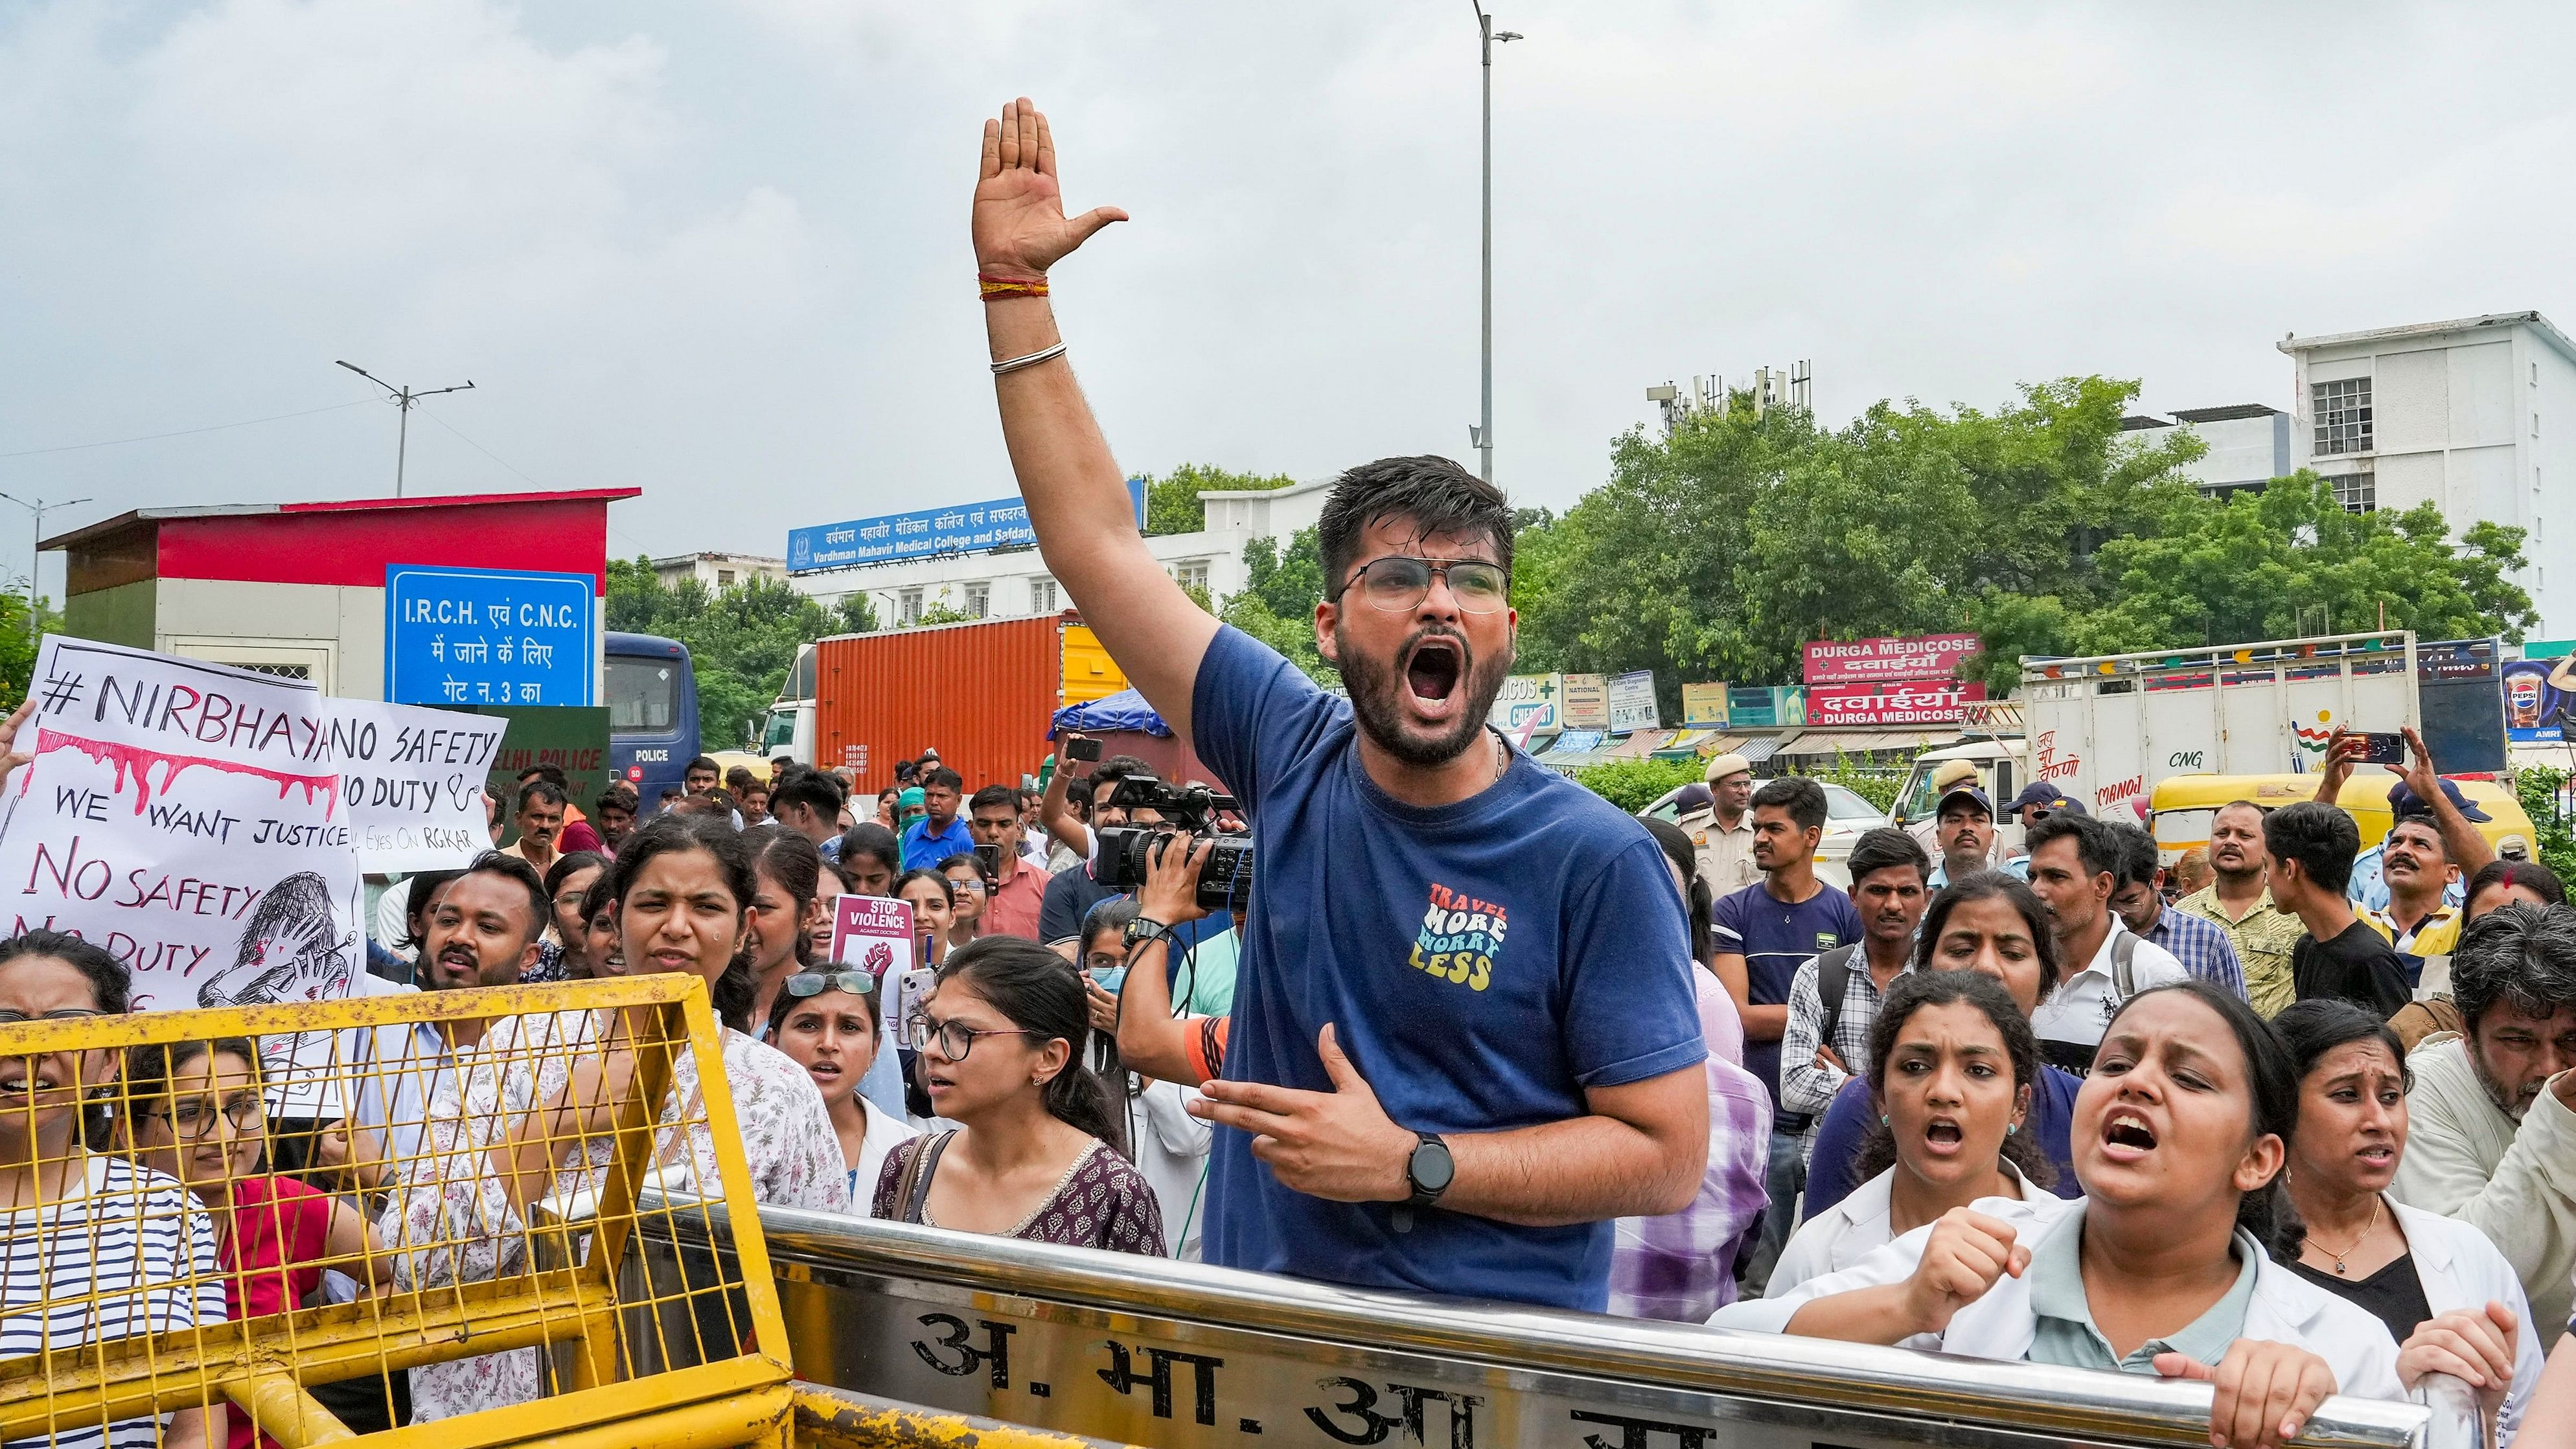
1483 435
36 551
403 398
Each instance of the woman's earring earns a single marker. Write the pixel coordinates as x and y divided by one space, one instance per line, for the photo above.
1882 1119
2011 1127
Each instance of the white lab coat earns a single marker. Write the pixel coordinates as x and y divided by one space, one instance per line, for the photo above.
2462 1272
2514 1182
1852 1229
885 1133
1171 1150
2285 1308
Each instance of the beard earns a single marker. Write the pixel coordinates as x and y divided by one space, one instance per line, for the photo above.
1377 696
2512 1104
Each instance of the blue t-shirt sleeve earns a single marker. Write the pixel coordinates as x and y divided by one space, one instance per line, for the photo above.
1726 923
1838 1141
1847 917
1252 712
1629 1013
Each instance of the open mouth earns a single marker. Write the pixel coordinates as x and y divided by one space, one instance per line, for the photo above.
1433 669
1942 1132
2378 1154
2129 1130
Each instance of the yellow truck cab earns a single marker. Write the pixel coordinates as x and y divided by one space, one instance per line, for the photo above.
2184 804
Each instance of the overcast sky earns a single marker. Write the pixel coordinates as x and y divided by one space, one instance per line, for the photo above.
718 251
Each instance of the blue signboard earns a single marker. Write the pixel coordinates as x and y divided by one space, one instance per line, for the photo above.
923 533
489 636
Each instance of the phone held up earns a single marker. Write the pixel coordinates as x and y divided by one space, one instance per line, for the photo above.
1084 748
2382 748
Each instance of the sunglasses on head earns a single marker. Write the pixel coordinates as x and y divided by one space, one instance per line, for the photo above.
815 983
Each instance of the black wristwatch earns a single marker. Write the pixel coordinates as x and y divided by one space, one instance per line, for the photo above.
1429 1171
1141 930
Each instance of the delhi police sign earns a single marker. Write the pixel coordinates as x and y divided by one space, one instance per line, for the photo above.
489 636
923 533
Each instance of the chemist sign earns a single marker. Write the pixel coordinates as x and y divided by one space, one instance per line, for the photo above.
489 636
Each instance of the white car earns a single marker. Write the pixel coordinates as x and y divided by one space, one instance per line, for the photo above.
1847 814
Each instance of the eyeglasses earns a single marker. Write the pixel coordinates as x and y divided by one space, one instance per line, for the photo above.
197 1118
967 883
1401 581
815 983
68 1013
955 1038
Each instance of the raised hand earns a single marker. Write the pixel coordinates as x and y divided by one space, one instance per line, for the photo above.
1019 225
16 745
1967 1254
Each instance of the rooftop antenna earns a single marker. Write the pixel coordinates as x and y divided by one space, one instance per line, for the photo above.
403 398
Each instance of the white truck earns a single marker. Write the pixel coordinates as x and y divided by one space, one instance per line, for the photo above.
2107 730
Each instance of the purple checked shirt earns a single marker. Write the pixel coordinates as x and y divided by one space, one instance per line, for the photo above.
2201 946
1681 1266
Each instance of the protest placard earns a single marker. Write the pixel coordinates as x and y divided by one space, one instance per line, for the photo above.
413 782
876 935
188 818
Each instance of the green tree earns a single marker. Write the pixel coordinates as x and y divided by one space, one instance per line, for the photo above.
2272 565
17 650
1172 501
741 640
1282 586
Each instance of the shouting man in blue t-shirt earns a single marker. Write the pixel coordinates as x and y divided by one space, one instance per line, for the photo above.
1464 1036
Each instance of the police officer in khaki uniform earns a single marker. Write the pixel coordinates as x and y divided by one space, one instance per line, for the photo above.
1722 832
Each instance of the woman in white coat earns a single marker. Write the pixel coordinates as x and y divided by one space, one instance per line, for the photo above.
1951 1063
2428 1278
2164 1267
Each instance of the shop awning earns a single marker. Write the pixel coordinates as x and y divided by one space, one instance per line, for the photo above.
1569 743
1688 744
1815 743
1638 745
1755 748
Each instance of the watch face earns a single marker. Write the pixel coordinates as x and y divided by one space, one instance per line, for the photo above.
1432 1167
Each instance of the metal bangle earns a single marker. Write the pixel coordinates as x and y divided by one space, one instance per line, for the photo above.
1014 364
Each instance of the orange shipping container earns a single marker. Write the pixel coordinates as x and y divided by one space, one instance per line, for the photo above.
981 694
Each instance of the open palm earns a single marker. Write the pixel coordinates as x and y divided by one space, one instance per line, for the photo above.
1019 225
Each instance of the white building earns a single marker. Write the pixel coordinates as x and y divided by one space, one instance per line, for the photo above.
1015 583
2477 415
718 571
2249 444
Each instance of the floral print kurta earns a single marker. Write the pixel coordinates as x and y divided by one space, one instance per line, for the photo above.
451 1222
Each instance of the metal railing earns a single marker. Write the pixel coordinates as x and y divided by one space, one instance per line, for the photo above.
1174 1354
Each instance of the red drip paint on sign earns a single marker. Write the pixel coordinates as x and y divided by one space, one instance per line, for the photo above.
135 762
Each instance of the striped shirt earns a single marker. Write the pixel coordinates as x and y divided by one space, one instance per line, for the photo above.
128 1253
2202 946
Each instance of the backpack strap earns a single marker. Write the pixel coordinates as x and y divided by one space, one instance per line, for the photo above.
1833 980
912 1194
2124 950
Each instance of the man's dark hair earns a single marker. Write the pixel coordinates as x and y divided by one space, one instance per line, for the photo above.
1030 796
1433 494
673 792
995 797
524 875
740 778
551 774
2432 824
2139 857
2321 838
541 792
941 775
702 762
1886 848
812 789
2520 956
618 796
1112 770
871 839
1802 798
2095 845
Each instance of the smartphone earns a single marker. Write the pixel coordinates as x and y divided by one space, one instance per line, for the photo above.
915 986
2383 748
1083 748
989 859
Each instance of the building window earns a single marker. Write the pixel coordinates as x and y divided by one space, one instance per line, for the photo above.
979 600
724 578
1042 596
908 607
2357 492
2343 415
1192 573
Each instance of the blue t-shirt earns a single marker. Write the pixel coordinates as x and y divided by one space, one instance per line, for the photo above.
1482 965
1830 1178
924 851
1775 939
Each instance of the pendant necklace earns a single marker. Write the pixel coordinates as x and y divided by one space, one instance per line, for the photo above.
2375 1204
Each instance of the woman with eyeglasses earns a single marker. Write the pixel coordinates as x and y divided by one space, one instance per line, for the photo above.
1002 1037
971 892
568 883
93 1247
826 1021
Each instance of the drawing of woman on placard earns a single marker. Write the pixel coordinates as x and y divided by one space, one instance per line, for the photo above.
291 950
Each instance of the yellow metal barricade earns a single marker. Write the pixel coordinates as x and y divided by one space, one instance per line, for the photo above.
475 1156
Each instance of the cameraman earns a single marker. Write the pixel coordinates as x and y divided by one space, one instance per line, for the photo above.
1464 1037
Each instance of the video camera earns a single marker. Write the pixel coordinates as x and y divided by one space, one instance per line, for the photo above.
1127 852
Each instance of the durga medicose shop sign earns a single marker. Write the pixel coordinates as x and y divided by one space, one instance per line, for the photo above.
1923 702
1872 661
191 819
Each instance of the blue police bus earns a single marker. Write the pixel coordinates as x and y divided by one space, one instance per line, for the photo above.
652 697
